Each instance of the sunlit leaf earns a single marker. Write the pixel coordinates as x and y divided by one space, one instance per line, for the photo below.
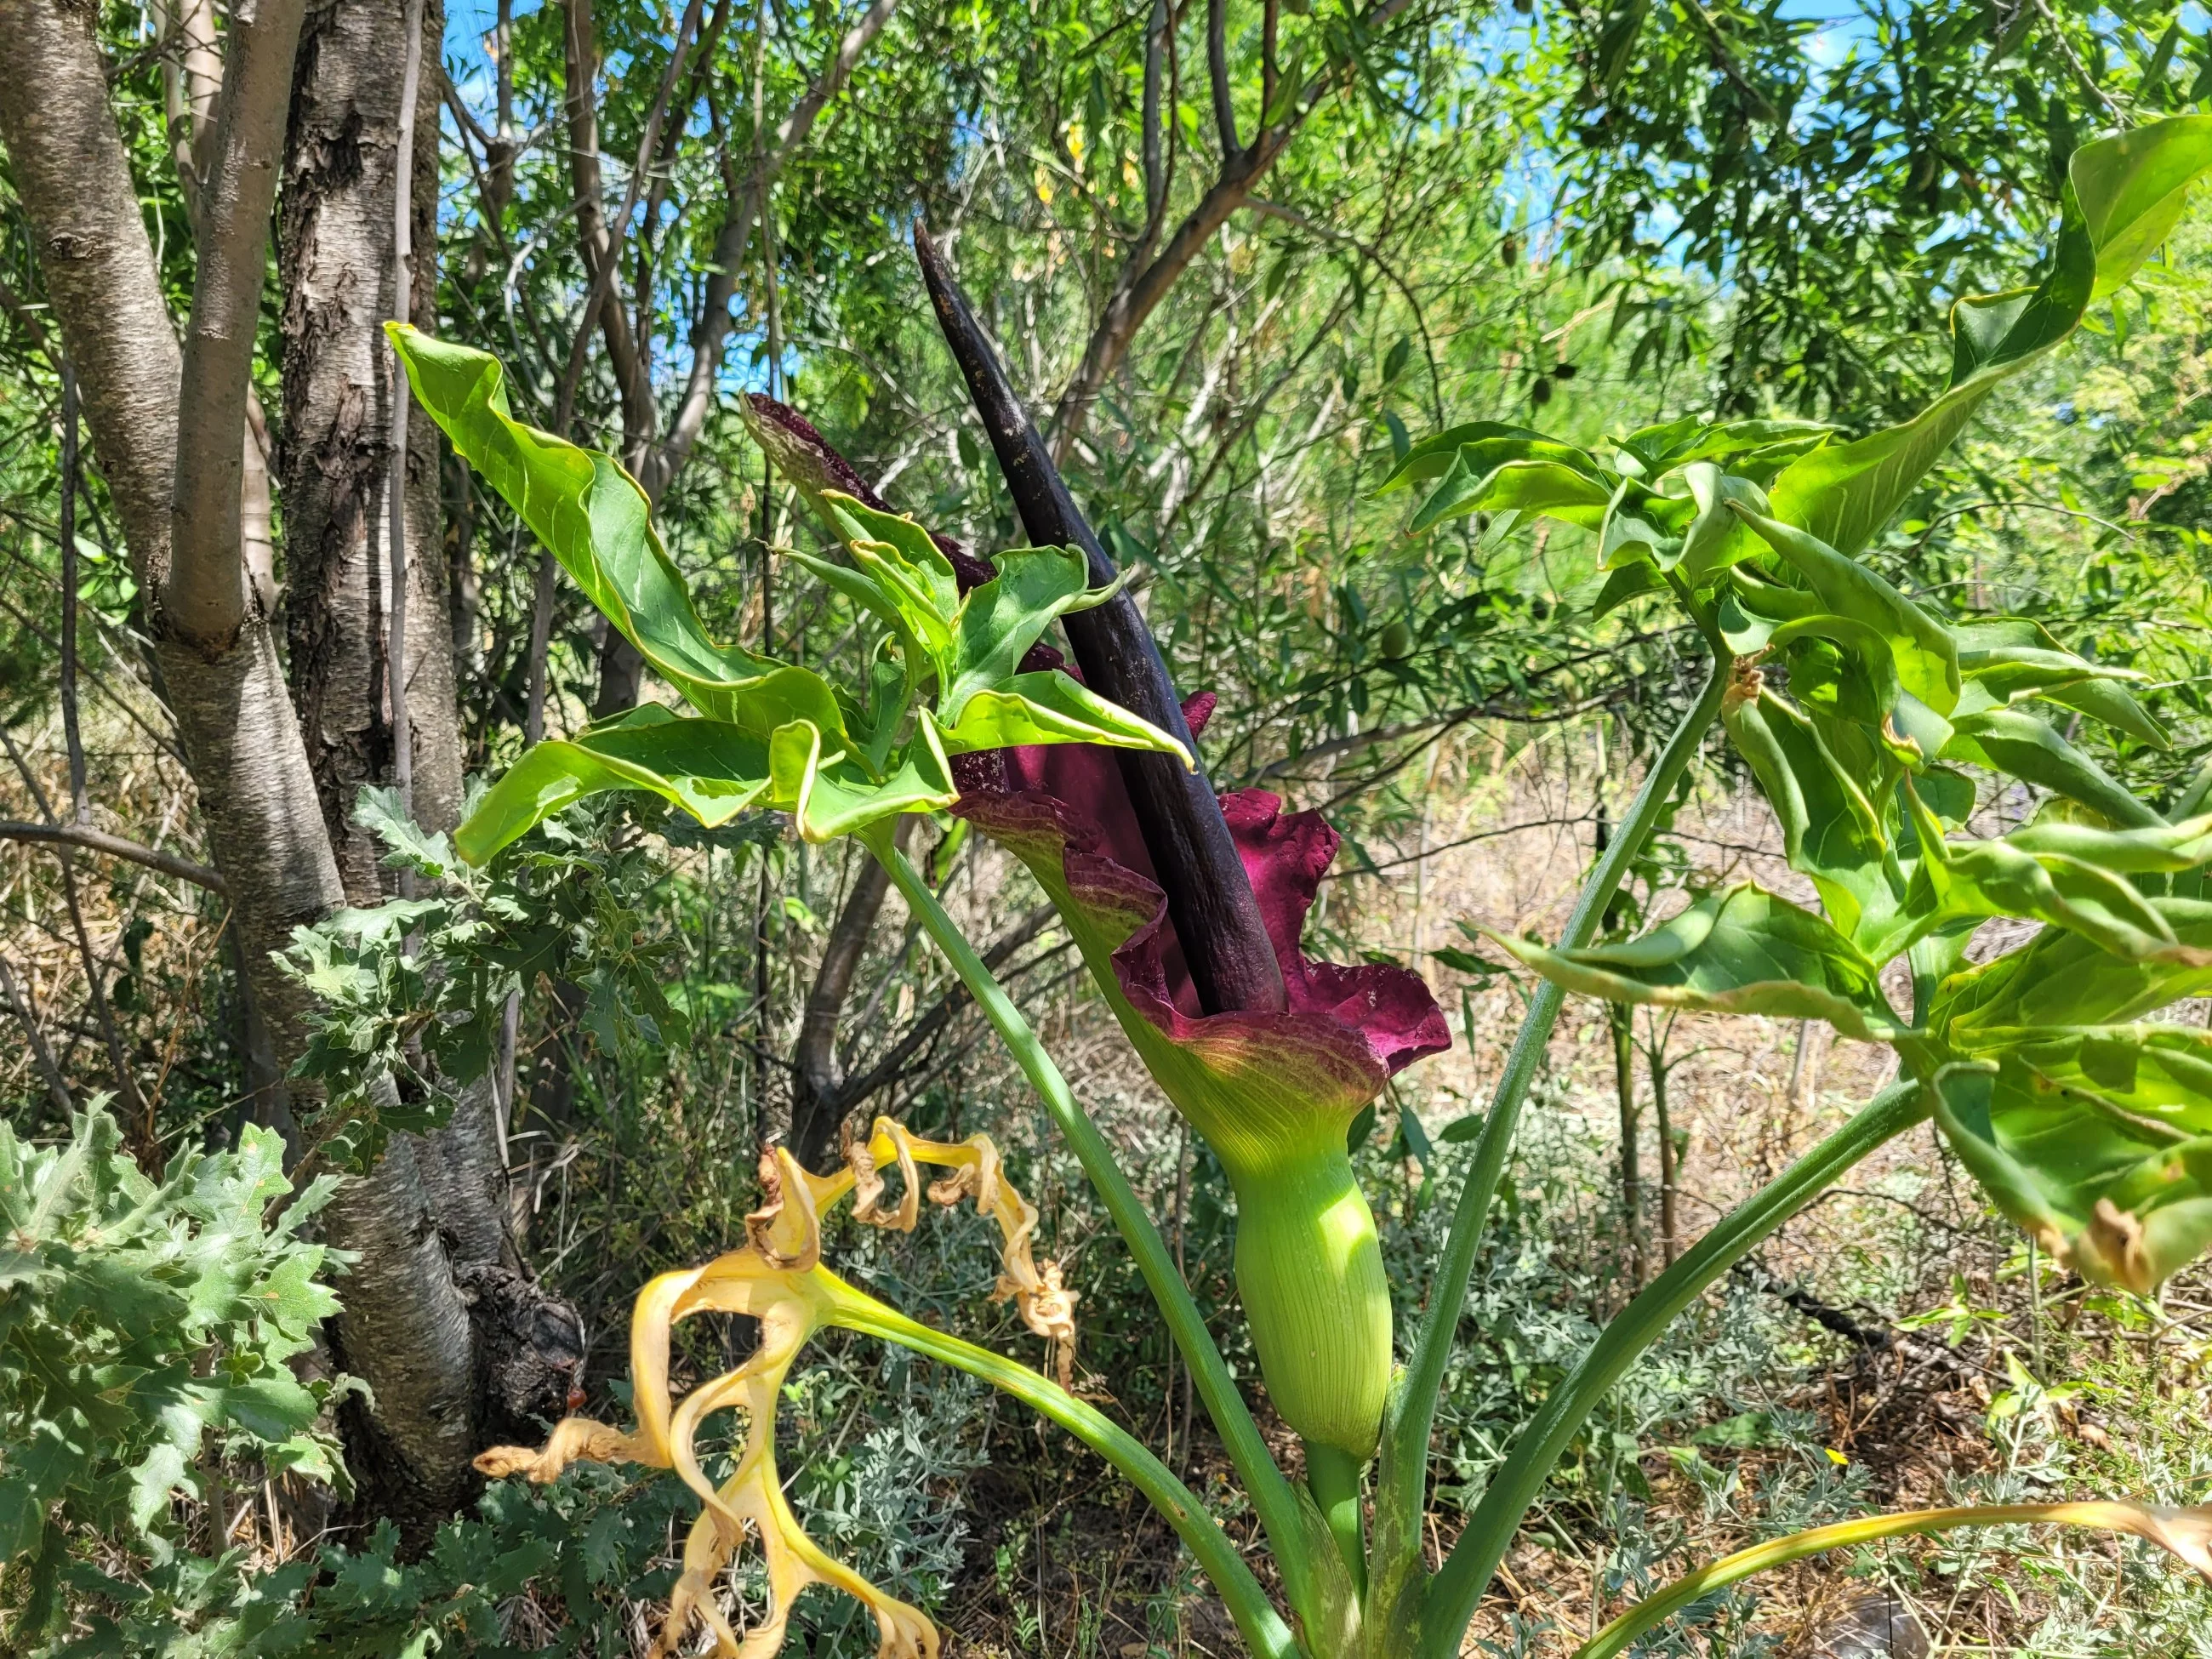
1050 708
1830 829
1999 879
2006 740
2125 194
1000 619
828 796
712 770
2061 977
593 518
2123 1197
1743 951
1927 658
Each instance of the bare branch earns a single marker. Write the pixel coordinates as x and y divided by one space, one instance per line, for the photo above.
581 43
600 256
25 318
125 1084
99 841
1160 177
710 334
1144 282
1268 71
66 158
80 808
1373 255
893 1060
52 1072
663 176
204 599
403 310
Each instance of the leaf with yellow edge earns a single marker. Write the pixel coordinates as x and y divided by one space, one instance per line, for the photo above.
2183 1533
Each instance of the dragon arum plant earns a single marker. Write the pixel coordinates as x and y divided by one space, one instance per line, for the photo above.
1865 719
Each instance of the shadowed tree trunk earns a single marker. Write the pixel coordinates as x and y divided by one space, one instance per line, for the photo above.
185 493
431 1221
335 257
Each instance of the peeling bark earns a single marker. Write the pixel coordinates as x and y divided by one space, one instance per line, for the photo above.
417 1325
335 254
431 1222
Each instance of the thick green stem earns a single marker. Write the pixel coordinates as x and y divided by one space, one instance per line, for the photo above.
1264 1485
1415 1409
1333 1477
1458 1587
1263 1627
1780 1551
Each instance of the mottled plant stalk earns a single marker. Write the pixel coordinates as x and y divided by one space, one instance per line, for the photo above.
1270 1493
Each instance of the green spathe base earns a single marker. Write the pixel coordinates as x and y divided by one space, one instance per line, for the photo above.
1309 1268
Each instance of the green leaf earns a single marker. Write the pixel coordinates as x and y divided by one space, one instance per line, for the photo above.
1050 708
2009 658
1707 543
871 595
1743 951
1739 1433
906 565
271 1408
2167 849
1492 443
2061 977
2160 1072
2132 189
1926 656
2125 194
1629 582
1830 830
827 797
711 768
1002 619
1950 795
1549 488
2121 1197
593 518
2101 698
1866 689
2002 879
2006 740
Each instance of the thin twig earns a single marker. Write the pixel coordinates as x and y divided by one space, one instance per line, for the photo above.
80 807
126 1085
603 268
43 1054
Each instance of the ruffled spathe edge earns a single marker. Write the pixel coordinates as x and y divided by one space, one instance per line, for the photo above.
1347 1029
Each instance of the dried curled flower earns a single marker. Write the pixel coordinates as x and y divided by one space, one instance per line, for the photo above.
778 1279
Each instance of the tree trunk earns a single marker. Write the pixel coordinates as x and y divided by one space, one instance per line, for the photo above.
437 1389
335 255
491 1348
233 711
